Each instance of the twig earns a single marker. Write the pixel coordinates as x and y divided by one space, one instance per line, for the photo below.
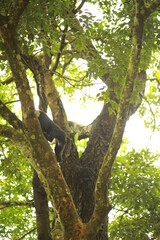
79 7
154 119
12 102
63 44
32 230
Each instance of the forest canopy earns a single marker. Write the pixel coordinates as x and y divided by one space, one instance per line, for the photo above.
52 52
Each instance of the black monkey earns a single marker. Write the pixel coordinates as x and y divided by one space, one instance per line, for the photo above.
51 130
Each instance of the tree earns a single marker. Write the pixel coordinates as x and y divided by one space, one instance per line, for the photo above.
40 43
138 182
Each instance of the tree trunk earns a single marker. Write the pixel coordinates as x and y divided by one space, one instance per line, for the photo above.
42 211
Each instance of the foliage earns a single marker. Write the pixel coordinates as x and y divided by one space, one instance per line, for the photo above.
149 109
135 194
16 189
65 42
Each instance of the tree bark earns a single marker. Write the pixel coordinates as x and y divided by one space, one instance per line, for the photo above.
87 177
42 211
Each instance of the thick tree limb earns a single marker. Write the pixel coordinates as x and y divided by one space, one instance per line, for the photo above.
53 98
83 131
44 160
3 20
10 117
17 138
42 211
8 81
101 204
16 12
46 89
11 133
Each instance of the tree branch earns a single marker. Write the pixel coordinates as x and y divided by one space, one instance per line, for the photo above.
16 12
152 112
11 133
79 7
152 7
101 203
41 155
3 20
62 45
10 117
5 204
32 230
8 81
83 131
52 95
66 64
